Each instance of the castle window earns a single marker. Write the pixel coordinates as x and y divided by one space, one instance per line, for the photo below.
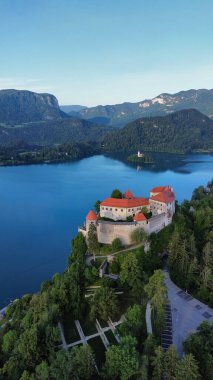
106 208
122 210
116 209
129 209
102 208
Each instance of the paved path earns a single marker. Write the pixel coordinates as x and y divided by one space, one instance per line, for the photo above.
102 334
90 258
83 338
148 318
64 343
187 312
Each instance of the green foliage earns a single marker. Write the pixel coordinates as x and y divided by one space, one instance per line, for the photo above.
42 371
159 242
78 248
169 365
116 194
171 360
91 274
92 239
179 132
97 206
114 266
9 341
157 364
122 361
139 236
150 345
104 303
134 322
131 275
26 154
140 160
200 344
116 245
187 369
157 294
77 364
191 245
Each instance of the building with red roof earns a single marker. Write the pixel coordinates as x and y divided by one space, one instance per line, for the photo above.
91 216
121 209
162 199
158 189
128 195
140 217
114 220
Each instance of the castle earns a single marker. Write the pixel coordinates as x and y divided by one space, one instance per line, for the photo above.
118 218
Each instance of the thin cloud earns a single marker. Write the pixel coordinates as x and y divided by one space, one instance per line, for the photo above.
31 84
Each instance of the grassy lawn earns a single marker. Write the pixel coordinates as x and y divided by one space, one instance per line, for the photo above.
99 350
103 323
125 302
88 326
136 251
98 261
2 321
96 283
111 338
70 331
79 345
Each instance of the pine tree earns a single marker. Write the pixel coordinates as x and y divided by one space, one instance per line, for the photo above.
187 369
170 363
158 364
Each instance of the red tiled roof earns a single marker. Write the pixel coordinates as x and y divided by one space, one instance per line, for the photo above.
125 203
128 194
139 217
166 196
158 189
91 215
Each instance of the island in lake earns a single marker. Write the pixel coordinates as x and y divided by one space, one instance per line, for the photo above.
140 158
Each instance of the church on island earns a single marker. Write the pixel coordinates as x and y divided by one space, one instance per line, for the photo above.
119 217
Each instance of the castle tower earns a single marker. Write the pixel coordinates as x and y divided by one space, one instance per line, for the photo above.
91 218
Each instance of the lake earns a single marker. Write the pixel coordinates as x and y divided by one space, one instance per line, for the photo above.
41 207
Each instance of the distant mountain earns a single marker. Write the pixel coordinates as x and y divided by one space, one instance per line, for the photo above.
72 108
18 107
164 104
182 131
51 132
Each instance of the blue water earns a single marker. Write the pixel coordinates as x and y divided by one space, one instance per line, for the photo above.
41 207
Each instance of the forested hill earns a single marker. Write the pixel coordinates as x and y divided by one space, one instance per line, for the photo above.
47 133
182 131
19 106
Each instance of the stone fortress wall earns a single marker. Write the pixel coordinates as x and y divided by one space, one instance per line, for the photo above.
108 231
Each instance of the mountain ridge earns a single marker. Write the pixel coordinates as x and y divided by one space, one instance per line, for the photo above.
120 114
23 106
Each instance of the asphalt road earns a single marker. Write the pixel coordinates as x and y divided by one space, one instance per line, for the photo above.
187 312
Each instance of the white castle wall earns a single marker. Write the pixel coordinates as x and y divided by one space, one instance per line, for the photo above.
160 207
108 231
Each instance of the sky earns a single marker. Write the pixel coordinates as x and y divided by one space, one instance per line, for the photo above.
92 52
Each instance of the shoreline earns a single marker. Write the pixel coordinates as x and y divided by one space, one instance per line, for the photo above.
105 153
